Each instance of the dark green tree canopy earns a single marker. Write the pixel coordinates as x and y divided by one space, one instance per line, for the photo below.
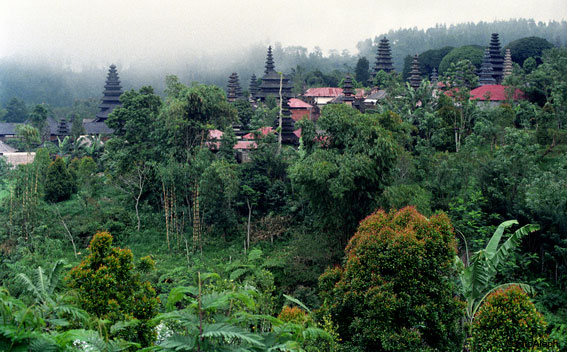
524 48
428 60
473 53
59 183
347 169
361 71
16 111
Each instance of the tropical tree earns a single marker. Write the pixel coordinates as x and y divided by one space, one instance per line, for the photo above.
16 111
110 287
396 290
509 321
29 135
344 175
59 183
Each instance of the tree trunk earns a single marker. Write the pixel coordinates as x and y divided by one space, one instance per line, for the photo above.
280 118
249 217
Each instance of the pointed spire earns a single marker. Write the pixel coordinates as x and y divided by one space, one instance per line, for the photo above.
496 58
110 95
253 86
507 70
271 81
486 72
383 58
348 90
434 77
415 75
269 61
234 90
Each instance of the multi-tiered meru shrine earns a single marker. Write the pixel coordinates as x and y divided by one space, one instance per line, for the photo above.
111 95
277 85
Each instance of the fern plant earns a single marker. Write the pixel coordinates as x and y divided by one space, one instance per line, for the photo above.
210 322
57 310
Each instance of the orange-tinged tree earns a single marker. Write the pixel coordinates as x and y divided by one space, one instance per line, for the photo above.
509 321
396 290
110 287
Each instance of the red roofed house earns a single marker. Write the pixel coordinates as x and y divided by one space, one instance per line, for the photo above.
322 96
495 94
262 132
300 109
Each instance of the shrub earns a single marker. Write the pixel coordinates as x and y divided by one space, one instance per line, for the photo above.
59 184
509 321
396 290
109 287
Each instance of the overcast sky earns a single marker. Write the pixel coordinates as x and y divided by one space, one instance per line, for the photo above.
133 30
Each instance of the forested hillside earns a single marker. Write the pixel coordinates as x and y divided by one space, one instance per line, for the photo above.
428 222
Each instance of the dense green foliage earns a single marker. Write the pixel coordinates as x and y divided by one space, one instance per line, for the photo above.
509 321
59 183
109 288
395 291
472 53
523 48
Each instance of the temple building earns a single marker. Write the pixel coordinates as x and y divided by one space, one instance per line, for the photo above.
415 76
271 80
253 87
507 71
234 90
486 76
434 79
272 84
383 58
496 58
110 96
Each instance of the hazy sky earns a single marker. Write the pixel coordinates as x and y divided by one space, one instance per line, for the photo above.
143 30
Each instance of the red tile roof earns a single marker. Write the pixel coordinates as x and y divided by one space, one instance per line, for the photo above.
263 131
323 92
299 104
330 92
215 134
494 92
245 145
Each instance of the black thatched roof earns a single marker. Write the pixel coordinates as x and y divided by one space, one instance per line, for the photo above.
7 128
97 128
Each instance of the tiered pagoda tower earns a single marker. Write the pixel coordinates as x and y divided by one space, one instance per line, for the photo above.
415 76
486 72
383 58
234 90
63 128
434 78
496 58
348 90
253 86
507 70
271 83
110 96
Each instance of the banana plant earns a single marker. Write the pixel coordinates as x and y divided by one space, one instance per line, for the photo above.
477 278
